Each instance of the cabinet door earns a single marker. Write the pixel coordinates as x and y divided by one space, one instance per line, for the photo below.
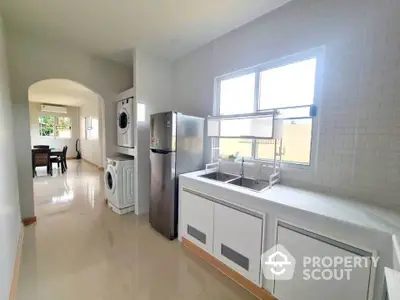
300 245
197 218
237 241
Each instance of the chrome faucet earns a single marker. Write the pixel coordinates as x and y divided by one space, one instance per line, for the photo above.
242 168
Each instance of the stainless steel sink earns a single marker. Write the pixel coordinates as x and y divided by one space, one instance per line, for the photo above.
252 184
224 177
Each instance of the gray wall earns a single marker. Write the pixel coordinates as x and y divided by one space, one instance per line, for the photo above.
31 60
358 132
10 219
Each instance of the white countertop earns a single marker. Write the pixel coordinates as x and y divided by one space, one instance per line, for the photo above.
345 210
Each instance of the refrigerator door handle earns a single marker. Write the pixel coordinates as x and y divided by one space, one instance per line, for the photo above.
160 151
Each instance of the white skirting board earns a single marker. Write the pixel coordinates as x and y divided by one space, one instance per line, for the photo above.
121 211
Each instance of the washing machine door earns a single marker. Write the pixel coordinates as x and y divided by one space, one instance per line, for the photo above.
110 180
123 121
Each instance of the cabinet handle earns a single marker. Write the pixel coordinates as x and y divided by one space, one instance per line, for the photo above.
197 234
234 256
224 203
325 239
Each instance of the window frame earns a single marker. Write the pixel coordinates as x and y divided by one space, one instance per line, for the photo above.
55 125
319 54
89 127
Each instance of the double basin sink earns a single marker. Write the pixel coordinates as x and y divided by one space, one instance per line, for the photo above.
249 183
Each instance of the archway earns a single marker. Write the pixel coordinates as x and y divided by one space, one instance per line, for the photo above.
71 104
33 61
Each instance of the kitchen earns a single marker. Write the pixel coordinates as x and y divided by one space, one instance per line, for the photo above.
338 181
238 207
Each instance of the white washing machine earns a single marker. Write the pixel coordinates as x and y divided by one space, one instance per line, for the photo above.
119 184
125 120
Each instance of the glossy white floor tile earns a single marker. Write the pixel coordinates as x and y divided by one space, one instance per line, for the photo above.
79 249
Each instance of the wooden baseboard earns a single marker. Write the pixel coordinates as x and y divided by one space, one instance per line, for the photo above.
257 291
14 283
101 169
71 158
29 221
89 162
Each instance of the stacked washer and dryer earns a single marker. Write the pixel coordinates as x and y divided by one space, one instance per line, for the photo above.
120 170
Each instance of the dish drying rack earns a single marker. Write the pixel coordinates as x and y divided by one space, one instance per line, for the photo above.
274 165
262 125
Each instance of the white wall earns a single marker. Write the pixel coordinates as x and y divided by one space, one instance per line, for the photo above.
152 82
358 139
34 114
10 219
32 60
91 149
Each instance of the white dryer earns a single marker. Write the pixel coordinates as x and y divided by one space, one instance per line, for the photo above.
119 184
126 119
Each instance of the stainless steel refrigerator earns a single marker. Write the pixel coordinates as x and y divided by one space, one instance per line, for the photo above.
176 147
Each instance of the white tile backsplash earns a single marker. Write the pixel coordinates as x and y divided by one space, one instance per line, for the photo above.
358 136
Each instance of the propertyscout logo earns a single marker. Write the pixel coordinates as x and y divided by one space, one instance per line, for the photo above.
278 264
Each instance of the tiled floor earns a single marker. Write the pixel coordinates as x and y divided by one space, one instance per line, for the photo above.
81 250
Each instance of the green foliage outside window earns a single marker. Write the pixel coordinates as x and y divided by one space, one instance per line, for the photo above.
46 125
55 126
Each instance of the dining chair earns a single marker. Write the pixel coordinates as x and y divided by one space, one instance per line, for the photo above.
64 157
41 147
41 158
57 159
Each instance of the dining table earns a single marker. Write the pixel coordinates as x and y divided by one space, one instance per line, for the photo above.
55 152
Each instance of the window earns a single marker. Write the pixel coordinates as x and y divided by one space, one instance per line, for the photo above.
277 85
53 126
296 142
64 127
141 112
290 85
91 128
236 97
46 126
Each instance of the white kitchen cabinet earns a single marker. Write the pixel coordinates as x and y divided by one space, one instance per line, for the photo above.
197 217
238 240
301 243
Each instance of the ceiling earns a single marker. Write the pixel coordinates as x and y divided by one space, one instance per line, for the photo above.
111 28
60 92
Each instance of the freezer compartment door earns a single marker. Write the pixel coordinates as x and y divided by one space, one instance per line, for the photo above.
163 200
163 131
189 146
